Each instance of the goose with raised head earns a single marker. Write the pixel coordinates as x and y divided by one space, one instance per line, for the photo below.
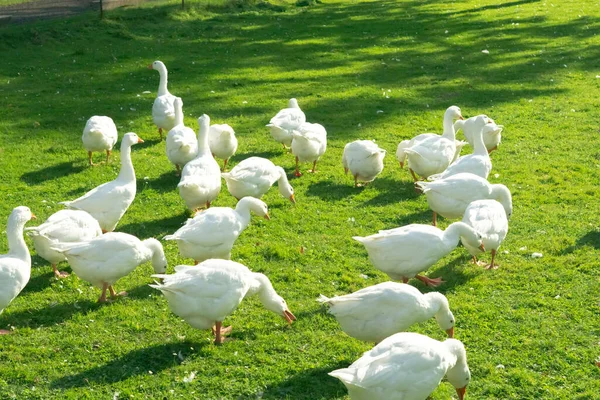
376 312
285 122
254 177
212 233
15 266
206 294
182 144
364 160
99 134
487 217
431 154
492 133
309 143
222 142
404 252
163 109
477 163
407 366
451 196
105 259
200 180
108 202
64 226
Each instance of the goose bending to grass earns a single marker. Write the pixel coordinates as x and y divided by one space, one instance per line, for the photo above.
222 142
99 134
309 144
404 252
406 366
163 109
105 259
285 122
487 217
451 196
200 180
15 266
492 133
206 294
108 202
212 233
376 312
182 144
364 160
64 226
254 177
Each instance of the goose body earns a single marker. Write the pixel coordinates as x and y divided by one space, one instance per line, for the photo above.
108 202
99 134
364 160
492 133
487 217
212 233
406 366
200 180
15 266
222 142
376 312
404 252
206 294
309 144
182 144
163 108
105 259
285 122
254 177
64 226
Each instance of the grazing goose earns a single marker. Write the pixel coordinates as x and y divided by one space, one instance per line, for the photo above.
492 133
222 142
406 366
182 144
309 143
163 109
489 219
206 294
108 202
285 122
376 312
364 160
99 134
15 266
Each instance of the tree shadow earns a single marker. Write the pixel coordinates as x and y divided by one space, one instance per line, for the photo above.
592 238
52 172
495 6
137 362
47 316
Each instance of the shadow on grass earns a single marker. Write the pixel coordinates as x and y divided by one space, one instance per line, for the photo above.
50 173
167 182
592 238
154 358
155 228
453 274
424 217
236 158
331 191
47 316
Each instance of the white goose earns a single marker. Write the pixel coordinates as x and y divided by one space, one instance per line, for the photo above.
489 219
478 163
451 196
182 144
15 266
108 202
205 295
212 233
406 366
401 155
492 133
404 252
254 177
105 259
376 312
364 160
163 110
309 143
285 122
432 154
222 142
200 180
64 226
99 134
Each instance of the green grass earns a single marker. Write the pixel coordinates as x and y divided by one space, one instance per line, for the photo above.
344 61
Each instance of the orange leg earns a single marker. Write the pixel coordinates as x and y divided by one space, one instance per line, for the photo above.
108 155
314 169
59 274
225 165
102 298
492 266
90 157
160 133
434 218
114 294
435 282
297 173
413 175
207 205
219 332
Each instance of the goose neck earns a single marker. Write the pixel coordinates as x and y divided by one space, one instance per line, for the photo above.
127 173
449 132
243 210
203 147
478 144
162 84
451 235
16 243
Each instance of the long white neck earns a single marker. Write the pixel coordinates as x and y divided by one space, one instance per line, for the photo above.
243 210
127 173
178 114
203 147
449 132
478 145
459 124
16 243
452 234
162 85
435 302
283 182
261 286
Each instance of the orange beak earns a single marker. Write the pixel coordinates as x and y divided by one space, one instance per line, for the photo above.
140 140
289 317
267 217
460 117
461 393
482 248
450 332
293 199
33 216
150 66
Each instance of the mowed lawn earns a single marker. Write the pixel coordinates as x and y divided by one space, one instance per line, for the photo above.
383 70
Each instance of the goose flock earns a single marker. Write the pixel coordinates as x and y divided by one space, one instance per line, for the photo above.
402 365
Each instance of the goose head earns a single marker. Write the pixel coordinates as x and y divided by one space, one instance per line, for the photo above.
204 122
284 186
158 66
443 316
454 112
131 138
257 206
459 375
21 215
271 300
293 103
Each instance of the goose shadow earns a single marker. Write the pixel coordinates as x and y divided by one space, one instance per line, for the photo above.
137 362
148 143
155 228
420 217
592 238
167 182
47 316
236 158
390 191
450 274
331 191
50 173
